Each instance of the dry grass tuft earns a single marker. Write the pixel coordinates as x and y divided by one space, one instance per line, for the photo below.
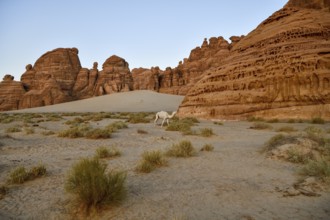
287 129
104 152
207 147
93 187
206 132
20 175
182 149
150 161
261 126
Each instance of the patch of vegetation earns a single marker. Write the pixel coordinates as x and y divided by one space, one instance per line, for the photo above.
217 123
279 140
317 120
53 117
115 126
75 122
104 152
136 118
6 118
291 120
207 147
150 161
75 132
98 133
287 129
141 131
93 187
206 132
20 175
13 129
295 156
261 126
183 125
29 130
317 168
182 149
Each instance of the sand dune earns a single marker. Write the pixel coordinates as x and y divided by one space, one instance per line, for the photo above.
134 101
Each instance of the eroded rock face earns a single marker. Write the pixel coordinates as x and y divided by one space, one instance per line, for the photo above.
146 79
114 77
10 93
279 70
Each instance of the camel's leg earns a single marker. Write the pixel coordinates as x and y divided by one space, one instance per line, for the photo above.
163 122
168 122
155 122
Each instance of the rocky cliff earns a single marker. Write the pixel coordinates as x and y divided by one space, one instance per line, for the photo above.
279 70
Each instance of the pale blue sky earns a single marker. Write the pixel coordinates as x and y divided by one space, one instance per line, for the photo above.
145 33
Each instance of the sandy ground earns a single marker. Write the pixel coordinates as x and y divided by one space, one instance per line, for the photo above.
235 181
134 101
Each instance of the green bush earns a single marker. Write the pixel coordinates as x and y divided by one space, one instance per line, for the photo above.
136 118
98 133
317 120
296 156
92 186
75 132
115 126
150 161
182 149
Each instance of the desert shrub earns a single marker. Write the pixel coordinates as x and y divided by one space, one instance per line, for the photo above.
318 168
141 131
291 120
3 191
183 125
104 152
296 156
92 186
279 140
115 126
13 129
217 123
6 118
261 126
206 132
317 120
20 175
182 149
286 129
76 121
207 147
75 132
317 135
98 133
136 118
150 161
53 117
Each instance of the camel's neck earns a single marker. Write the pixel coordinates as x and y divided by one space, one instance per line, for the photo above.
172 115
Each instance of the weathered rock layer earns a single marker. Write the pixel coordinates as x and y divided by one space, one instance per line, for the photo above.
279 70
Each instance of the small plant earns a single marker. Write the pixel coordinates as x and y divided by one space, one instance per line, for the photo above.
3 191
141 131
92 186
183 125
217 123
317 120
261 126
98 133
207 147
279 140
20 175
115 126
150 161
13 129
206 132
136 118
318 168
103 152
287 129
296 156
182 149
75 132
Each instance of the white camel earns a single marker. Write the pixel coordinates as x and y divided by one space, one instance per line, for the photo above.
165 116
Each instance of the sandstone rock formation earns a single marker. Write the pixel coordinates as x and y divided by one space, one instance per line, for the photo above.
10 93
279 70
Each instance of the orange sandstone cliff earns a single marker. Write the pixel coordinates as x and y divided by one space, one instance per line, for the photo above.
279 70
